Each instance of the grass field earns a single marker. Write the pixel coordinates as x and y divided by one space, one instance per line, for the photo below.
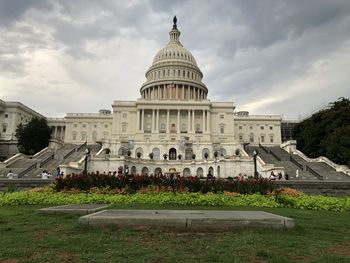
26 236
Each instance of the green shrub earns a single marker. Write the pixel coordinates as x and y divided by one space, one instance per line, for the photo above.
198 199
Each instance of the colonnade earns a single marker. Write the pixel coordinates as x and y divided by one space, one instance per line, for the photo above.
184 115
58 132
174 91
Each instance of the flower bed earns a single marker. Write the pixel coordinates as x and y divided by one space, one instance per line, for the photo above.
135 183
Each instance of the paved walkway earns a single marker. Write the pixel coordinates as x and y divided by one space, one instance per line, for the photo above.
188 218
81 209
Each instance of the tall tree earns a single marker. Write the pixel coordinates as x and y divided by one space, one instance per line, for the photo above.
327 133
34 136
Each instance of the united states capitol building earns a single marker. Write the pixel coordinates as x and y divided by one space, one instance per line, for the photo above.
173 124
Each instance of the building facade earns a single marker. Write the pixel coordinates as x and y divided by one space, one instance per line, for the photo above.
172 125
12 113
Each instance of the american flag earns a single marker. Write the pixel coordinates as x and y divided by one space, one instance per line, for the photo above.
171 85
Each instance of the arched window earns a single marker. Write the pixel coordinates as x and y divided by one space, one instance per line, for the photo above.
139 150
172 154
133 170
211 171
145 171
186 172
205 153
200 172
156 153
121 151
158 171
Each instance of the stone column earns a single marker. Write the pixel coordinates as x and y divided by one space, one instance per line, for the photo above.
157 125
137 120
189 121
203 121
208 121
177 91
167 121
178 121
153 122
142 118
193 111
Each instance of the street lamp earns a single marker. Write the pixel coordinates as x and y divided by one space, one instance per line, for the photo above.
87 154
256 174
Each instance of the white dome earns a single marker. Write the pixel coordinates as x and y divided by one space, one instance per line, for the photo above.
174 52
174 65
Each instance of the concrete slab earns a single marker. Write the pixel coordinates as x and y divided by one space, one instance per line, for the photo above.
81 209
188 218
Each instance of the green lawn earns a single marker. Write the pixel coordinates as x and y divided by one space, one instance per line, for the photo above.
26 236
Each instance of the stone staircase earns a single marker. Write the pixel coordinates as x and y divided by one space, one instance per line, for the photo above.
32 167
292 163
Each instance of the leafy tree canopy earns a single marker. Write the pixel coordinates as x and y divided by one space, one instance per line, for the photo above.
34 136
327 133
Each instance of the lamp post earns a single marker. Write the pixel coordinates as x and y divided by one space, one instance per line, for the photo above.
256 174
87 154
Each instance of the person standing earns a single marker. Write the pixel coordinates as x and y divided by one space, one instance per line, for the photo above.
10 175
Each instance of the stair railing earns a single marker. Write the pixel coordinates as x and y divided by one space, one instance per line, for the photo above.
275 155
312 171
295 162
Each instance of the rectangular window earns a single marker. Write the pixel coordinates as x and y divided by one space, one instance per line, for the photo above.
240 137
262 138
221 116
6 115
271 139
222 130
240 127
4 127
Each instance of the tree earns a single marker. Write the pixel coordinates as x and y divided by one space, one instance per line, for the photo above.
34 136
326 133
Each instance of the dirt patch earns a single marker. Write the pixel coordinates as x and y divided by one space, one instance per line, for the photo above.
340 250
64 257
297 258
8 260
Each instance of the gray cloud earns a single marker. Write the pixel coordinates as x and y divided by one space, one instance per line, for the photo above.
247 50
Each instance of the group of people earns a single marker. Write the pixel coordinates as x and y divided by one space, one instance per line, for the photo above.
44 175
279 176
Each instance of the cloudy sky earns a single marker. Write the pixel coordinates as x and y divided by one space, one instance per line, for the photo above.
267 56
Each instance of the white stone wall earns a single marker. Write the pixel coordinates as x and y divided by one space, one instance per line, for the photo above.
265 129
